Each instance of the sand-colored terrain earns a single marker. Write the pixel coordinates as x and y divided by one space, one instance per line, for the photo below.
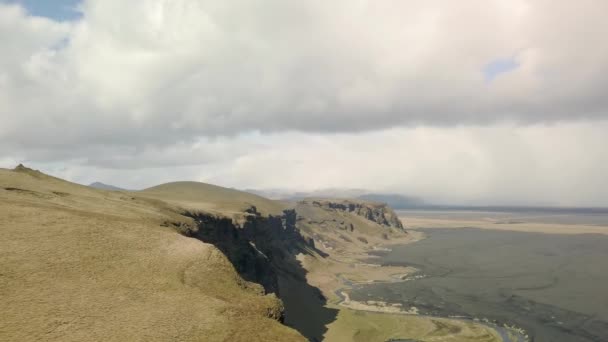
415 222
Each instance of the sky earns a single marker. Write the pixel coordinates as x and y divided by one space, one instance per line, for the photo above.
469 102
58 10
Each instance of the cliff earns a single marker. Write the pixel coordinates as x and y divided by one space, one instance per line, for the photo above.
260 247
263 241
379 213
179 261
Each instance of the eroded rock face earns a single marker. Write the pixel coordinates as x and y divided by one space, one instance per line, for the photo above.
263 251
257 248
376 212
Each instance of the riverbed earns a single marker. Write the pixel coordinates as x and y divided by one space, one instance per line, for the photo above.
555 287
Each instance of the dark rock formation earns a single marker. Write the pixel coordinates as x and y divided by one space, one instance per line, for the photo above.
257 248
263 250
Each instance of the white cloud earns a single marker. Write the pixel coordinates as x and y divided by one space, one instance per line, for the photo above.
150 83
562 164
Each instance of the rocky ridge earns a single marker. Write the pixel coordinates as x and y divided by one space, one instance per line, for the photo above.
379 213
261 248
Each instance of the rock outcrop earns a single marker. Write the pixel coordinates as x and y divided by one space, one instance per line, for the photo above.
380 213
259 248
263 250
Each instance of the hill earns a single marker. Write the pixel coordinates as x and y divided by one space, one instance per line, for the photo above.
190 261
102 186
84 264
212 198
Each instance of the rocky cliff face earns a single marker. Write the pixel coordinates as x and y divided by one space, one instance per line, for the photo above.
263 250
380 213
259 248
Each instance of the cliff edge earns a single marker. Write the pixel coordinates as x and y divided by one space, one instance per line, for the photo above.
379 213
179 261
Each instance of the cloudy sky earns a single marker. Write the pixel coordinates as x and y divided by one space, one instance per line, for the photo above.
474 101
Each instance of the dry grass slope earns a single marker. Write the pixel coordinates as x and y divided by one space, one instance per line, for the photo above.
79 264
212 198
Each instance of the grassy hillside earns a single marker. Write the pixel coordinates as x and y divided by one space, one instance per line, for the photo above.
80 264
212 198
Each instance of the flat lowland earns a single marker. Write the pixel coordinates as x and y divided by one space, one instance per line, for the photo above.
553 286
547 223
361 326
348 264
80 264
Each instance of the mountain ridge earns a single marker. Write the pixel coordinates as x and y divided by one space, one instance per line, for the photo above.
108 187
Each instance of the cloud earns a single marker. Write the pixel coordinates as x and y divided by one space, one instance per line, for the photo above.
131 71
151 83
563 164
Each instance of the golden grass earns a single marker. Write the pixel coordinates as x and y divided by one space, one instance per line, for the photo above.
212 198
79 264
359 326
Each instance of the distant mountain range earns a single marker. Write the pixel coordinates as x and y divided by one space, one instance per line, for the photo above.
102 186
395 201
282 194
